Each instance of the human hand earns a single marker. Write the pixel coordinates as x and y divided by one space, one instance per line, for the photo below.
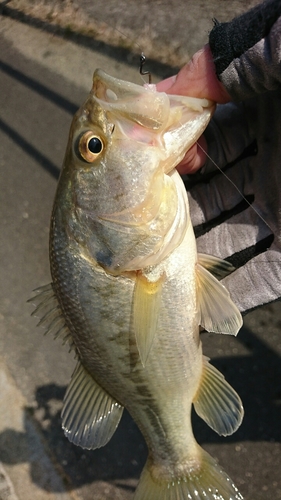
196 79
243 139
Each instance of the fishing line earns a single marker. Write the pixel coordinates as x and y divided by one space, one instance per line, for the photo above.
234 185
142 58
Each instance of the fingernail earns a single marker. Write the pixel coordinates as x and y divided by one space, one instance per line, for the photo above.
165 85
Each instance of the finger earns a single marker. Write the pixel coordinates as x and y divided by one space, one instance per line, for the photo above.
198 79
194 158
229 133
166 84
258 282
249 245
238 239
221 194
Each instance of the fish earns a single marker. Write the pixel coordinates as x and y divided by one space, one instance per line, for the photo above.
130 292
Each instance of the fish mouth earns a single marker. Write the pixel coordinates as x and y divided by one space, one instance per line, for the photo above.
170 123
142 105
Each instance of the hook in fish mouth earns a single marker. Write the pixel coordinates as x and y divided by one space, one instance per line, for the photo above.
143 73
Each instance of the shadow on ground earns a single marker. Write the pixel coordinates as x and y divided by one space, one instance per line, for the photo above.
124 54
254 377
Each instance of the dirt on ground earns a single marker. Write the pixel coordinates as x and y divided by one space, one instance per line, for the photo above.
167 31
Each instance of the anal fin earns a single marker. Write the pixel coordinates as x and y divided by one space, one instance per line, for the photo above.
90 415
147 300
217 403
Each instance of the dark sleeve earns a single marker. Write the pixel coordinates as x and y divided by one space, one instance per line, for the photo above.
247 51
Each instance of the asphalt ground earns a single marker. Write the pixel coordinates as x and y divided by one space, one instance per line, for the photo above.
44 77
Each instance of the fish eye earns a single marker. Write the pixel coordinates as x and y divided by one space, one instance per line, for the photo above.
90 146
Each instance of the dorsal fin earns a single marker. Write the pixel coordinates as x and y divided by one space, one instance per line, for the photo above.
217 267
50 314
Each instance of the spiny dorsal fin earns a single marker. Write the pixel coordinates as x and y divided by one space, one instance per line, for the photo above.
90 415
217 312
147 300
50 314
217 403
217 267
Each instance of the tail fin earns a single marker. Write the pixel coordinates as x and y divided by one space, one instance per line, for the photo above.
206 482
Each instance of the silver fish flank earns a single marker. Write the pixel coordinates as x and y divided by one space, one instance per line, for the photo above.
129 291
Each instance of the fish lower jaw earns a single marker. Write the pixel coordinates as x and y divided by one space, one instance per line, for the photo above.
170 172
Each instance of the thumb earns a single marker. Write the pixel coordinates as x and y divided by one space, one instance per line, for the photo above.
197 79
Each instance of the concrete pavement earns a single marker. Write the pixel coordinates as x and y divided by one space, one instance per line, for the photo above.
43 79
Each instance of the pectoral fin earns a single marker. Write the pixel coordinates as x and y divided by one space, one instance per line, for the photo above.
147 300
217 403
217 312
90 415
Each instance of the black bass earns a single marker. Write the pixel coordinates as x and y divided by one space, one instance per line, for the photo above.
129 290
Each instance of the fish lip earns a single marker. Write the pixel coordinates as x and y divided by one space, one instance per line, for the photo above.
170 171
144 105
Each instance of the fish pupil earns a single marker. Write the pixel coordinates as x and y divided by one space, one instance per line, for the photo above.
95 145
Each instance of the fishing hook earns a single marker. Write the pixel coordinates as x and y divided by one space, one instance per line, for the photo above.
142 63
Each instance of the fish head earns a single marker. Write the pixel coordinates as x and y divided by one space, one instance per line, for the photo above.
124 144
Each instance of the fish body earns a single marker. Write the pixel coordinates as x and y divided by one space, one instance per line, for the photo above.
129 290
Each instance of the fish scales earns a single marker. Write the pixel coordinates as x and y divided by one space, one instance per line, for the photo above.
132 290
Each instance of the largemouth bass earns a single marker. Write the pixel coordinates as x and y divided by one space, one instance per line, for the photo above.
130 292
